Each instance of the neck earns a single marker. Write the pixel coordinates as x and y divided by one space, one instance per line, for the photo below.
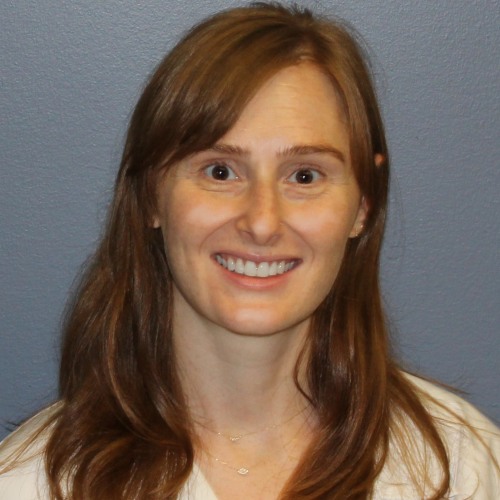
237 382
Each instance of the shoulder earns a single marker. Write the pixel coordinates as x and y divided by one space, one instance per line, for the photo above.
22 468
442 403
471 439
458 419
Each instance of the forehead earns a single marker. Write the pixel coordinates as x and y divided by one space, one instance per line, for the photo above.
298 105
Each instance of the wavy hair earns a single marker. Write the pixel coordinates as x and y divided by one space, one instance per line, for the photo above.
122 430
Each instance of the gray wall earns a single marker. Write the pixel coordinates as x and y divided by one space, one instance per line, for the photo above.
70 73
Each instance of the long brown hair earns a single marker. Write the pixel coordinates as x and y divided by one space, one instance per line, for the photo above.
122 430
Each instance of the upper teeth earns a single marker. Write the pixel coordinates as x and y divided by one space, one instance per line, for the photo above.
250 268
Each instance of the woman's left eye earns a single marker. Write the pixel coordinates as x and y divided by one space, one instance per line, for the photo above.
220 172
305 176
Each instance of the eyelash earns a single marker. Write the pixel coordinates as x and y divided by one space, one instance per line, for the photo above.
228 174
316 175
209 171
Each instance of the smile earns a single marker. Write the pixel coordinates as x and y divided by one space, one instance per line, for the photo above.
255 269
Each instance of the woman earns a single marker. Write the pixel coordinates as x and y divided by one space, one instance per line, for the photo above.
228 338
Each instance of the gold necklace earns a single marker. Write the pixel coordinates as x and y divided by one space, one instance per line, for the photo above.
244 470
234 438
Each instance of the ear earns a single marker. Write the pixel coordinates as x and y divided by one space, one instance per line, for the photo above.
379 160
155 222
363 210
361 216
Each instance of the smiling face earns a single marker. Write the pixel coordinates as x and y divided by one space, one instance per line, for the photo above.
255 227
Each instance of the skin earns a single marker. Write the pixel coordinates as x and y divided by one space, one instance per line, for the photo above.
278 187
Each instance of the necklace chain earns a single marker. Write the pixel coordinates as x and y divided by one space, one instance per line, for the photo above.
234 438
243 470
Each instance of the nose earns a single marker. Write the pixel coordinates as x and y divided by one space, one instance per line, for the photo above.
262 213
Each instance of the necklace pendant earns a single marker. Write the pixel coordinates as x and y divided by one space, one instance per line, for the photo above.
242 471
234 439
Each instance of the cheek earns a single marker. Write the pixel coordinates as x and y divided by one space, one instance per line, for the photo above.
172 221
186 225
326 228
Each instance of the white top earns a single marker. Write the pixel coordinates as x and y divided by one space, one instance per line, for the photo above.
473 473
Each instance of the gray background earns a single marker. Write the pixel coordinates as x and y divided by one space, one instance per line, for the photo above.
71 71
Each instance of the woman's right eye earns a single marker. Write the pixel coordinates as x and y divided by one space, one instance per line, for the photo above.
220 172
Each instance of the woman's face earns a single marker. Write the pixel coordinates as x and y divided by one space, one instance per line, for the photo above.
255 227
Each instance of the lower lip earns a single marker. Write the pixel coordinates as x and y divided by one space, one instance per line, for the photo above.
254 282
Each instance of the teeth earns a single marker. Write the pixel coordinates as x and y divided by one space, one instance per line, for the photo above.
273 269
263 270
240 267
250 268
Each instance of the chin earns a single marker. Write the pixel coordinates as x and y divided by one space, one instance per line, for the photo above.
257 326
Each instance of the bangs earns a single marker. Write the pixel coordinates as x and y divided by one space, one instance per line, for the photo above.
200 89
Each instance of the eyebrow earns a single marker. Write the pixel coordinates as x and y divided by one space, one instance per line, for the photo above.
306 149
297 150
